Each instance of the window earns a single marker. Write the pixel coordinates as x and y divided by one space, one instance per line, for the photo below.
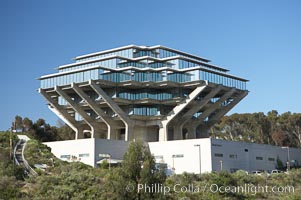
158 157
271 159
233 156
246 150
65 157
178 156
259 158
218 155
83 155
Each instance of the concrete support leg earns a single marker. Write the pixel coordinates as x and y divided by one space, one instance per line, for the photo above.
191 132
163 133
59 111
129 127
109 122
203 131
76 107
215 106
113 134
129 132
79 133
178 132
227 108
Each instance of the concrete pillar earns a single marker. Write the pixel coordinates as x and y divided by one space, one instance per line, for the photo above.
78 109
191 132
203 130
79 133
227 108
216 105
129 132
59 111
107 120
129 125
113 134
163 133
178 132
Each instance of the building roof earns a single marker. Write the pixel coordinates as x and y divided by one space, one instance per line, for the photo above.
142 48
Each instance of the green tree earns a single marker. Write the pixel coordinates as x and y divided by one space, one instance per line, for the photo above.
27 124
138 168
17 124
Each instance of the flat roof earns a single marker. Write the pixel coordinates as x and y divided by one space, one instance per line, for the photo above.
142 48
143 58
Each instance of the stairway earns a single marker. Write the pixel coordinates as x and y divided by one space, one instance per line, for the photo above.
20 159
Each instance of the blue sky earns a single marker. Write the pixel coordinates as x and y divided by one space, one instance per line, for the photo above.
258 40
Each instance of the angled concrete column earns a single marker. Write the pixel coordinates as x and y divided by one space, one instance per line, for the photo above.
227 108
195 123
61 113
107 120
213 107
78 109
195 108
163 131
216 106
129 124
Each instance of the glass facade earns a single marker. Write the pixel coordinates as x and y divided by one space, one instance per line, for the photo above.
125 65
127 53
148 94
65 79
146 111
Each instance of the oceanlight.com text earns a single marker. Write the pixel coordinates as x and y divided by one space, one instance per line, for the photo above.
212 188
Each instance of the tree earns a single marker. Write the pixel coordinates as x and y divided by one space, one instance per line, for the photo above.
138 168
40 122
18 123
280 137
27 124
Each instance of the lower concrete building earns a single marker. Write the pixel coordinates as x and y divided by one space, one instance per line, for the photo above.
192 156
89 151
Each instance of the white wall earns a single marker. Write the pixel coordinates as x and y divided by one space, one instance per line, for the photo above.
164 151
116 148
91 146
246 160
23 137
187 159
74 148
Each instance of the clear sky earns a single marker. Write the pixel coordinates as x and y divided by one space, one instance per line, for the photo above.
257 40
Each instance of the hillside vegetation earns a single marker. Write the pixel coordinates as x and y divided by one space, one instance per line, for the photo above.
271 128
62 180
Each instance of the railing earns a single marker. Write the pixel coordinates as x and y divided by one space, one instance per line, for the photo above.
15 149
27 166
22 161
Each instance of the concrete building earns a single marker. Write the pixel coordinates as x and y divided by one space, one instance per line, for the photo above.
156 94
149 93
208 155
192 156
89 150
